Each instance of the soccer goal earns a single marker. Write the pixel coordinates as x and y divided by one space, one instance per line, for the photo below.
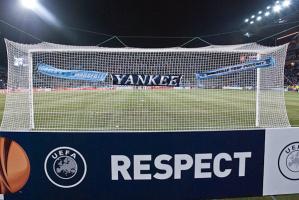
55 87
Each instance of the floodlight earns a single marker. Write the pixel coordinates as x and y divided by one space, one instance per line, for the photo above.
247 35
280 21
41 11
253 16
277 2
259 18
252 22
260 12
246 20
267 14
268 7
30 4
286 3
276 8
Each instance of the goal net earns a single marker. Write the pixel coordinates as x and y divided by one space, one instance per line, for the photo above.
55 87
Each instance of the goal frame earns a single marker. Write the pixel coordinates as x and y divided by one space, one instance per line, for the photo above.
70 49
30 53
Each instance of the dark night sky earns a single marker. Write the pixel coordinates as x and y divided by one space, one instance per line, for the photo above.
128 17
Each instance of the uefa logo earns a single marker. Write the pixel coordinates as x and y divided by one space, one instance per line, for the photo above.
65 167
288 161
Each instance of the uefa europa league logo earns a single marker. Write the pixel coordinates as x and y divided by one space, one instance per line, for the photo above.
14 166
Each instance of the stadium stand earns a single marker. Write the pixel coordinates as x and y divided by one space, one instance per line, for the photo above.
292 65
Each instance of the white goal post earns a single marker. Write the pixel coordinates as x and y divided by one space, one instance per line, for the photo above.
55 87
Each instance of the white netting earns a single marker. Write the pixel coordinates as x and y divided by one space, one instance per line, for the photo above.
244 99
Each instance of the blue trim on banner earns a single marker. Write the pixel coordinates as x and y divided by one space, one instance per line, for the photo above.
84 75
269 62
220 165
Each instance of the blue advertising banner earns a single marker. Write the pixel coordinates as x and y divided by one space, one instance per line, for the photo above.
189 165
83 75
269 62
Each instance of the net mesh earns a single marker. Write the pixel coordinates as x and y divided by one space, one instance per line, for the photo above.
241 100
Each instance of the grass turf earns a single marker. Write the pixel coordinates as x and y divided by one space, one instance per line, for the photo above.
292 103
151 111
144 110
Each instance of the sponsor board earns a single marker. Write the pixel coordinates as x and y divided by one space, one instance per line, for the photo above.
146 80
83 75
269 62
281 170
175 165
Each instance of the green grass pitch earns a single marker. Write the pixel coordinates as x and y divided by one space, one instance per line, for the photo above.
157 110
144 110
292 103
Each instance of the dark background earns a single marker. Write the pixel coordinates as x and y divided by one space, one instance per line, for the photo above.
184 18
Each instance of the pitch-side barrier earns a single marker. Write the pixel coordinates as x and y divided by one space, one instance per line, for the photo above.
149 165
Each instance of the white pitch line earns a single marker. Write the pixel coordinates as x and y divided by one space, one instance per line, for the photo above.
273 198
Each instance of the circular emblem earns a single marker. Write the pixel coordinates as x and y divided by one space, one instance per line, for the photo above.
14 166
65 167
288 161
